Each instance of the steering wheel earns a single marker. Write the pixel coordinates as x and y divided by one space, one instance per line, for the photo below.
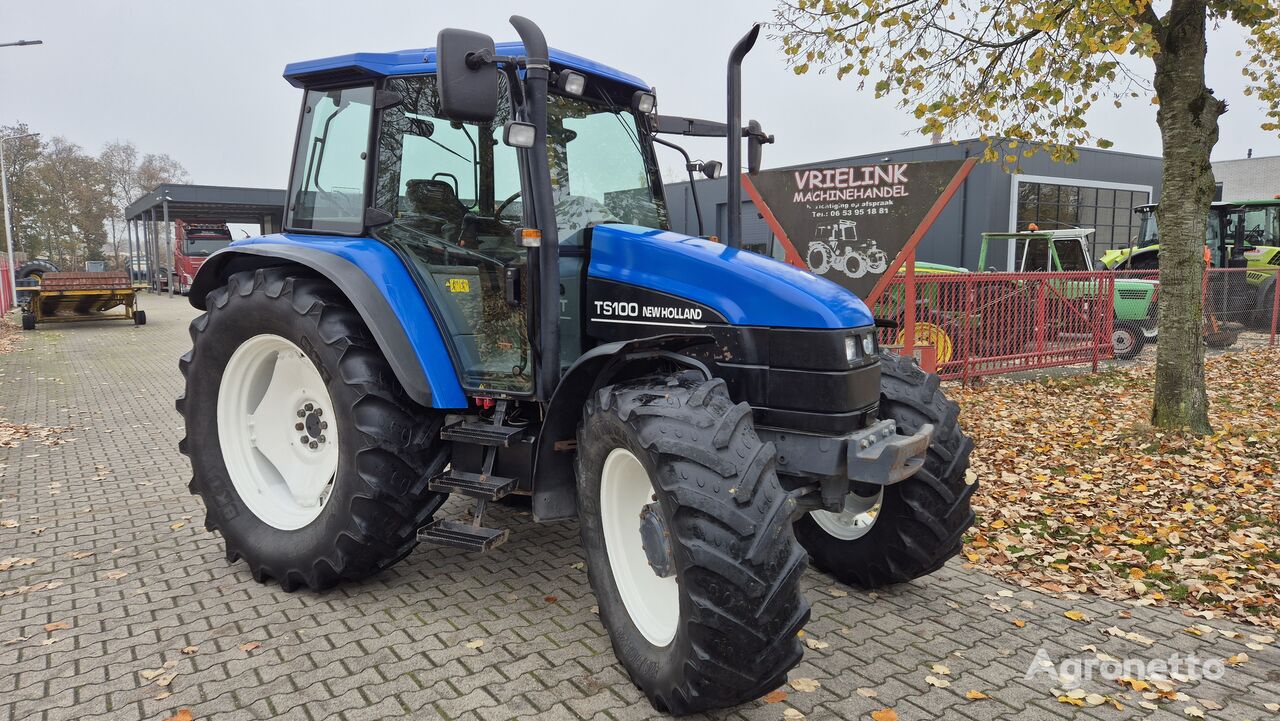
506 204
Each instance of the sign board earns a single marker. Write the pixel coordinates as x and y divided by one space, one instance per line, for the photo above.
849 223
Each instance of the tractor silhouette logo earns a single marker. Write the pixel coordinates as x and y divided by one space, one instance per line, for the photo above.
835 248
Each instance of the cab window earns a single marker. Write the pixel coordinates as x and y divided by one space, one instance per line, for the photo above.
327 192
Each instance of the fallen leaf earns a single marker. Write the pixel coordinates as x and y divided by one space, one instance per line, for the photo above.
56 626
866 692
80 554
1271 706
550 599
837 592
975 695
190 650
115 575
1019 623
940 669
885 714
805 685
166 679
9 523
162 695
777 696
182 715
151 674
938 682
475 643
177 525
815 644
791 714
1075 615
1237 659
1193 712
251 645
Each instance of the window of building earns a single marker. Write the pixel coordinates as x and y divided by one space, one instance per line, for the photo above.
1108 210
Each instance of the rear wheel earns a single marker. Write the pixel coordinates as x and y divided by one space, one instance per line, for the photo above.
896 533
35 269
310 459
139 317
688 539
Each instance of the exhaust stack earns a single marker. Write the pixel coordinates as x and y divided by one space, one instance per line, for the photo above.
733 160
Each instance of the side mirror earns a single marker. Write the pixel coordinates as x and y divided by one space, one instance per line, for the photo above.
467 76
712 168
756 139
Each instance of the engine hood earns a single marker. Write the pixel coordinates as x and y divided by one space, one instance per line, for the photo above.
744 287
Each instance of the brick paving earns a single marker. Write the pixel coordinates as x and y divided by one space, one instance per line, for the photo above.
395 646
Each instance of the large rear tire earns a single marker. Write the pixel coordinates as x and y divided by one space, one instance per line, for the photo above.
341 497
909 529
688 539
34 269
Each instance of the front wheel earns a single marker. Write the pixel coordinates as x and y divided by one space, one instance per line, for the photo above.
311 460
897 533
1127 340
688 539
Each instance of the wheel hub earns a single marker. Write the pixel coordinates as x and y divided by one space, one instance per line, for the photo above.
855 519
656 538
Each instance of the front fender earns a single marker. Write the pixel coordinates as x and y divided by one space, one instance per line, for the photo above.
554 486
380 288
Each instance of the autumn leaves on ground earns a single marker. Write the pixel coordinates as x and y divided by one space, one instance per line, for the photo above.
1079 494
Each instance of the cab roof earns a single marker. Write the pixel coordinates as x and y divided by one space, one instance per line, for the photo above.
360 66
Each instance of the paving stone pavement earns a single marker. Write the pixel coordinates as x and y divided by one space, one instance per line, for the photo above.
395 646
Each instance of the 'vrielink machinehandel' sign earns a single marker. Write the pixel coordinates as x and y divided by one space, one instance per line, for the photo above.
848 223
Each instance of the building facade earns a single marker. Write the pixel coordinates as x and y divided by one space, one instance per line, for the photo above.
1248 178
1100 191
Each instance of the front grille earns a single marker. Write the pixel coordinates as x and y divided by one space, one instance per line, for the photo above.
1132 293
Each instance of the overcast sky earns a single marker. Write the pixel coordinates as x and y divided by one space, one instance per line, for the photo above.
202 80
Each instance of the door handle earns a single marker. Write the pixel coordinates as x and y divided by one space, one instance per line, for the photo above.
511 285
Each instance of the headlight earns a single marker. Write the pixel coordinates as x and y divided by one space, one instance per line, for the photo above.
869 344
851 349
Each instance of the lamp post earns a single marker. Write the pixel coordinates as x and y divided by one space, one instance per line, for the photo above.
8 224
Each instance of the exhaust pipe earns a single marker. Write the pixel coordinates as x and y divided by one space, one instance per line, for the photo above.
733 160
537 77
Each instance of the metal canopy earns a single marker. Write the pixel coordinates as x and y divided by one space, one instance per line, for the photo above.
210 202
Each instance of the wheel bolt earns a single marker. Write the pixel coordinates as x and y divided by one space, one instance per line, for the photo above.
302 414
298 426
321 439
313 445
304 440
309 407
319 412
324 425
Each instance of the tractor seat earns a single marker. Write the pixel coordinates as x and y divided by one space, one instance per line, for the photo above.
435 199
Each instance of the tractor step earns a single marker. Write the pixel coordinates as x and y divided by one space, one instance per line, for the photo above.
482 434
444 532
476 485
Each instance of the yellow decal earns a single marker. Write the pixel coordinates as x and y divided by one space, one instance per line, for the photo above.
459 285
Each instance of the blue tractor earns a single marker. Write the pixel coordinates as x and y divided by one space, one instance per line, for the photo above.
476 292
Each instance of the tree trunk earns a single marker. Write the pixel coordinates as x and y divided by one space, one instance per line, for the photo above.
1188 120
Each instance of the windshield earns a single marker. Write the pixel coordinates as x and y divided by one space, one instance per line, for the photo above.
1149 232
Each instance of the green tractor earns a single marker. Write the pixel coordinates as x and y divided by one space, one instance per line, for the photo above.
1001 318
1243 234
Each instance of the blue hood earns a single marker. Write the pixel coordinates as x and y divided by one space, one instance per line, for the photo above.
745 287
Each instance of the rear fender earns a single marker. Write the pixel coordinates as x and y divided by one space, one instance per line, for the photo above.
554 485
380 288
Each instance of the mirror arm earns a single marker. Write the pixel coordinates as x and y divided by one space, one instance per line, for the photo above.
689 166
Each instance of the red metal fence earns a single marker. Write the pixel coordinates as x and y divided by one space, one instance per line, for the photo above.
6 290
979 324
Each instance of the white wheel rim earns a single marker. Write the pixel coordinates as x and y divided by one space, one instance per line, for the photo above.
1122 341
652 602
857 518
269 387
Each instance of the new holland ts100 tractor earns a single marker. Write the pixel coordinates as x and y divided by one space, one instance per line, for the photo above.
476 293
